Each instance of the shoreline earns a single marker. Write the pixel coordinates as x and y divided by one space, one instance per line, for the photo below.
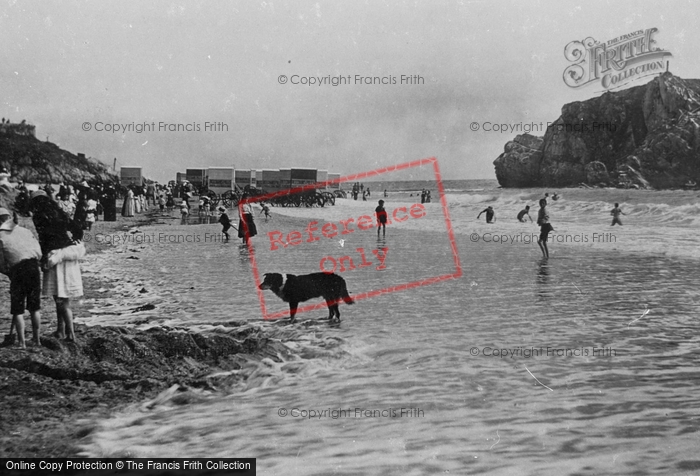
55 393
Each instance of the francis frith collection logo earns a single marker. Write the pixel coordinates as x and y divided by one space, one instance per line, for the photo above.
614 63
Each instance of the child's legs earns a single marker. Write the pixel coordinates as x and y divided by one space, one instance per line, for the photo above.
25 286
36 326
34 306
67 316
60 323
18 321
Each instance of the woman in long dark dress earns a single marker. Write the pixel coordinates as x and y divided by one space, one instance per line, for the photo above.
245 211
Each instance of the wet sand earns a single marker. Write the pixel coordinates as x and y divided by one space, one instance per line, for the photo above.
52 393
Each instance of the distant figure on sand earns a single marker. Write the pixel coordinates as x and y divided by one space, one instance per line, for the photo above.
19 260
490 215
128 206
526 211
616 212
381 217
545 227
225 222
555 196
265 208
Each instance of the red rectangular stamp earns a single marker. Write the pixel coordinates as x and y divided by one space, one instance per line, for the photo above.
332 252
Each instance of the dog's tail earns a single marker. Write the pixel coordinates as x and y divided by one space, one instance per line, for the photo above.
346 296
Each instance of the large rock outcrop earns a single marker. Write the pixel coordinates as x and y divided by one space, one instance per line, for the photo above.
646 136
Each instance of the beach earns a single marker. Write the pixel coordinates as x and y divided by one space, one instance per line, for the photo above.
581 363
53 394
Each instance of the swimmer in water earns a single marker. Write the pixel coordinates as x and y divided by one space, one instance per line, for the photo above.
490 215
521 215
616 212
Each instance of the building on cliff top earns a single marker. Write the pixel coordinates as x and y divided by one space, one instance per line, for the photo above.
21 129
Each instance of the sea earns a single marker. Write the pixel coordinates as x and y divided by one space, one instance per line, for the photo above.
466 351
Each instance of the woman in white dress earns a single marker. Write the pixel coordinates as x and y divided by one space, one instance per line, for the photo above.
128 207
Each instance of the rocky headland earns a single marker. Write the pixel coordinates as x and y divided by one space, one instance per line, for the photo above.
35 161
644 137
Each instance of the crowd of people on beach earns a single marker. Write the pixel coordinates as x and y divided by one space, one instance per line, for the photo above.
61 214
359 188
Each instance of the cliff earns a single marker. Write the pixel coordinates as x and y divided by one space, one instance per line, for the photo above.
35 161
646 136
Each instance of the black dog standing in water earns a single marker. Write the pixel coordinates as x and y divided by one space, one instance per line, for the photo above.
295 289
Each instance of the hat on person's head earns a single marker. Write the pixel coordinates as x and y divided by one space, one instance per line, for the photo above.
38 193
222 209
4 211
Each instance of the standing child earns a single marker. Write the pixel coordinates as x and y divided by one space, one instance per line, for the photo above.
616 212
91 212
225 222
207 205
170 202
381 217
20 253
184 211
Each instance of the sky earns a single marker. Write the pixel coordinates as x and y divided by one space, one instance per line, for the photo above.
74 68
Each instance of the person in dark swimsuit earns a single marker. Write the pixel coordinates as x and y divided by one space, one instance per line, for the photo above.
521 215
490 215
